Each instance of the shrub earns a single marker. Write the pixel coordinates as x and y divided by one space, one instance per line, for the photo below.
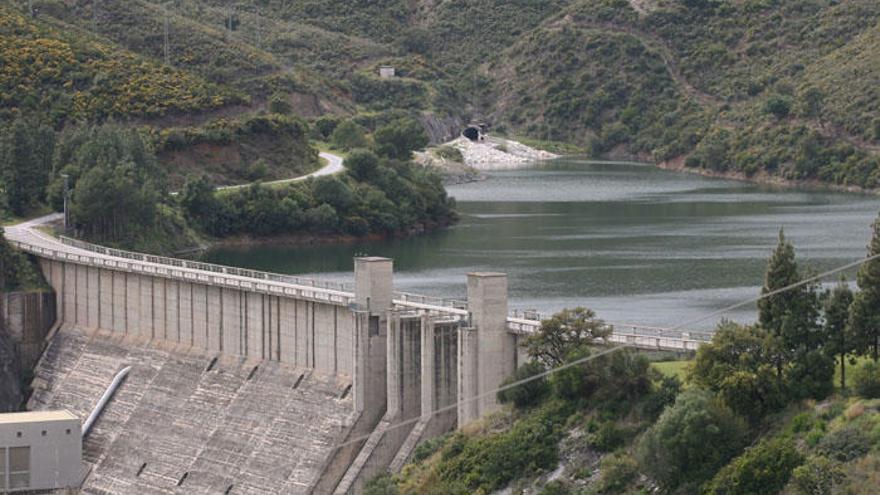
490 462
529 393
762 469
801 423
381 485
428 447
400 138
778 106
608 437
348 135
325 125
845 444
816 476
257 170
691 440
861 476
617 472
279 104
556 487
362 164
450 153
866 379
664 395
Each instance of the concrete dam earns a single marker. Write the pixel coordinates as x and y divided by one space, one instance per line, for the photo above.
251 382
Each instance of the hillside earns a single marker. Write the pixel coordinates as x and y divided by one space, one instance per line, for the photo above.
67 77
782 89
755 89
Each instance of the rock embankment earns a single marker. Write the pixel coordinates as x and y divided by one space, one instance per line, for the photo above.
480 156
498 153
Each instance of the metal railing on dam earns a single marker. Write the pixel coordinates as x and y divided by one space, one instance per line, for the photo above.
340 293
207 267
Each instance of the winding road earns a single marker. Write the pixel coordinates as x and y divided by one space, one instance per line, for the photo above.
28 233
334 166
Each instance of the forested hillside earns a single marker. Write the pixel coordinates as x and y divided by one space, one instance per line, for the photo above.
752 88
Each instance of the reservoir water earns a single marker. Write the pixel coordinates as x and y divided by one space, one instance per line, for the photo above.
635 243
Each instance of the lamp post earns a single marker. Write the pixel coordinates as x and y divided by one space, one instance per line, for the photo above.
66 198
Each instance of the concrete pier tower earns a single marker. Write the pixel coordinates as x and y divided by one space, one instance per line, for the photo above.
486 350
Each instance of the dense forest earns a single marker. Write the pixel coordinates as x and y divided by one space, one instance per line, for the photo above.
758 410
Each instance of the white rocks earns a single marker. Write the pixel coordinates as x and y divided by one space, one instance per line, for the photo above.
498 153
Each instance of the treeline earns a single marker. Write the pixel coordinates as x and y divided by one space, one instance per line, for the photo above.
114 179
118 193
374 196
742 423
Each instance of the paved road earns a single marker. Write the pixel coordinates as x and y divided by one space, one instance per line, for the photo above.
334 166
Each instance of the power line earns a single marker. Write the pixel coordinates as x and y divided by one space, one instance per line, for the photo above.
490 393
806 281
583 360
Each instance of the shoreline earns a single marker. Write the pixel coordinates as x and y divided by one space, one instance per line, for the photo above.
298 240
763 178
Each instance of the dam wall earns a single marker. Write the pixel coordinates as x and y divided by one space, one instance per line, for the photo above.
26 319
401 366
206 315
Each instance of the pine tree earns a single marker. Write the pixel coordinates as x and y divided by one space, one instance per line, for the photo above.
25 162
865 311
837 338
790 316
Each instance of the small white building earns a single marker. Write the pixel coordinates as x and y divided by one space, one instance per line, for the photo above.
40 450
386 72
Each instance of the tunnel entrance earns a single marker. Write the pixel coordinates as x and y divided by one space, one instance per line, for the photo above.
472 133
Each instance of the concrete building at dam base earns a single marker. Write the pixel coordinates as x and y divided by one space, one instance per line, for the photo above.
39 451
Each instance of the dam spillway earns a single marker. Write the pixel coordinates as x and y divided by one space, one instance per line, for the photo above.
254 425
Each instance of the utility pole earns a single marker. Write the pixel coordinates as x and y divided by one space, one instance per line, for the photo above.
167 57
259 34
229 20
66 196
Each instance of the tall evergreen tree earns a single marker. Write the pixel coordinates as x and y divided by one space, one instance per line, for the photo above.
865 311
25 163
837 339
116 182
791 316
